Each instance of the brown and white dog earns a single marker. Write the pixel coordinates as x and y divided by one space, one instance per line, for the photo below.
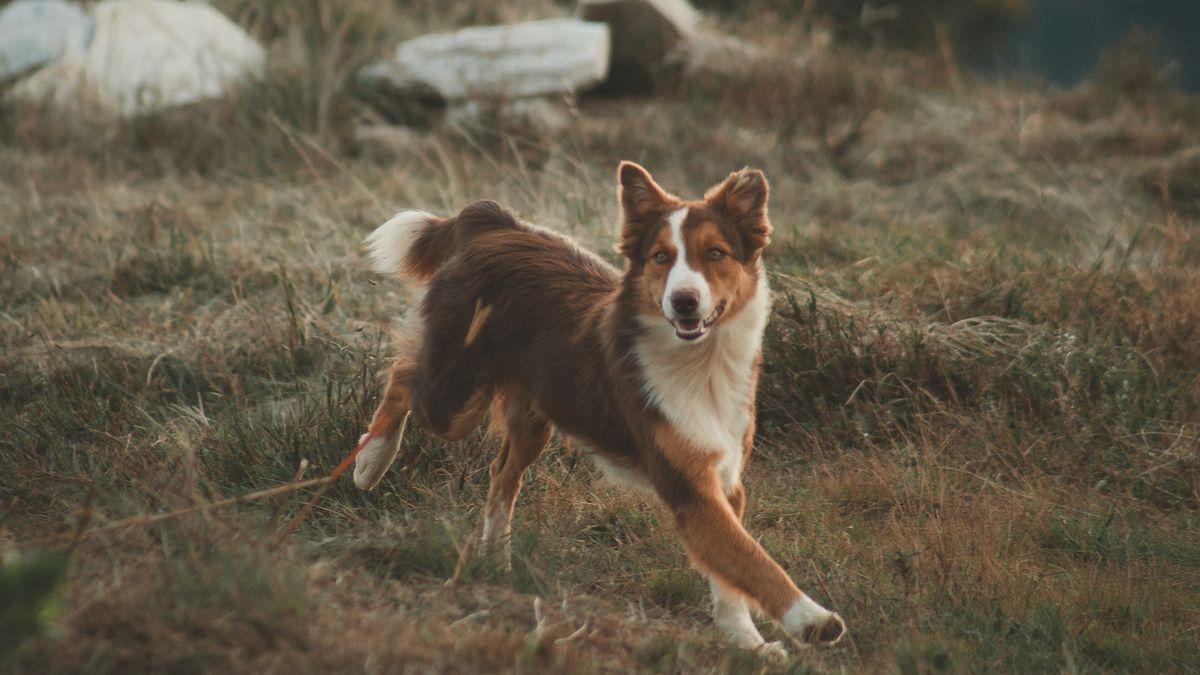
653 369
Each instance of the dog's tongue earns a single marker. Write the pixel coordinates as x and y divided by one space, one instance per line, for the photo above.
688 329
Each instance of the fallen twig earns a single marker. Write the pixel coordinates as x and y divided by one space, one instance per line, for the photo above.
328 480
143 520
275 516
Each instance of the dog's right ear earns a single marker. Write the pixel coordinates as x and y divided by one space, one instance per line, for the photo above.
643 203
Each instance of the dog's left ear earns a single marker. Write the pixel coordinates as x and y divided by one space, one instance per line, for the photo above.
643 203
743 199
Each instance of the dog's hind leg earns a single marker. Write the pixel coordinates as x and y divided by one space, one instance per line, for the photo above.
387 428
451 387
449 401
526 433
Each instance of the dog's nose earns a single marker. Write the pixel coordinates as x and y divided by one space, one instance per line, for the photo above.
685 302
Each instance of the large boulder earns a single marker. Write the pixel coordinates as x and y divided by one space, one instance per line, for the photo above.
497 62
644 32
36 32
147 55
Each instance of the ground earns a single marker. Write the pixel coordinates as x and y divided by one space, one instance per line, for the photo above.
978 432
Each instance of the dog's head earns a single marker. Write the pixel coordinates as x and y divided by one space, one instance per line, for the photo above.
694 263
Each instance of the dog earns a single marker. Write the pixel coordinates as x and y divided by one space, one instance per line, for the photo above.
653 369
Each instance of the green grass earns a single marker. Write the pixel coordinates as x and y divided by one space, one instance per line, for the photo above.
978 437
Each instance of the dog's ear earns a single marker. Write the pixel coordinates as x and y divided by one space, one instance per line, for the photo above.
743 199
640 195
643 203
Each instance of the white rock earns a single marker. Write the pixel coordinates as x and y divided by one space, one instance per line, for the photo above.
35 32
518 60
147 55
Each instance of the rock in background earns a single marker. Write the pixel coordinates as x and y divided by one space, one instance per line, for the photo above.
36 32
147 55
539 116
518 76
526 59
525 75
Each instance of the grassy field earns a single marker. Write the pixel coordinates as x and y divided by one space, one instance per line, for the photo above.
978 428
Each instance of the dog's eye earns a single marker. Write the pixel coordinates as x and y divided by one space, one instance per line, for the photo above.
661 258
715 254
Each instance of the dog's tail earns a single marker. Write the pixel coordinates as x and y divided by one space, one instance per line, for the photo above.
415 244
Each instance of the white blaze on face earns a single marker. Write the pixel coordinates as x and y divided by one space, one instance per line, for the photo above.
682 277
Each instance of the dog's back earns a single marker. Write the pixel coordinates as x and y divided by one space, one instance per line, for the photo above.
508 309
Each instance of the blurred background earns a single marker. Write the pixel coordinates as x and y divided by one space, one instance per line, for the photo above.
1060 40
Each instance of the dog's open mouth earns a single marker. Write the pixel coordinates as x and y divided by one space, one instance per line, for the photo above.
692 329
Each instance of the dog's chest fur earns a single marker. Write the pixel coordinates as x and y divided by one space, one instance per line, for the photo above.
705 390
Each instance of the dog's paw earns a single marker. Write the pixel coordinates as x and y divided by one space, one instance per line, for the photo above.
826 632
772 652
373 461
813 624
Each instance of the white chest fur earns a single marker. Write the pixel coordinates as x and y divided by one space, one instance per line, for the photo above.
704 389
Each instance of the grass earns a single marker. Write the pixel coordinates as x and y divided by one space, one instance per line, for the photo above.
978 436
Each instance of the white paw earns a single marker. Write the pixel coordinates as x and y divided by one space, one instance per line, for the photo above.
824 632
813 624
373 461
772 652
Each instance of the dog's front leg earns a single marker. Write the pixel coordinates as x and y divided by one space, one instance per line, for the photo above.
731 609
722 549
731 614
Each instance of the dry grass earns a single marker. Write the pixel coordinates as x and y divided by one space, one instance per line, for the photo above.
979 438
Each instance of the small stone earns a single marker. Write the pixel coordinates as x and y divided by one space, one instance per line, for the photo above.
726 55
387 140
538 115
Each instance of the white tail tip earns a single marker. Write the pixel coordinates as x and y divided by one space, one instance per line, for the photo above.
389 244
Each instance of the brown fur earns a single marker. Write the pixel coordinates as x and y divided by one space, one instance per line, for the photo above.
522 313
713 535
